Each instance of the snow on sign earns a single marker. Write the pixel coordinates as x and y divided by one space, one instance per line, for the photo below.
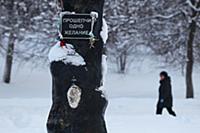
77 26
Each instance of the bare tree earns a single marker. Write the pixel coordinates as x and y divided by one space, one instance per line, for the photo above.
124 31
173 33
11 39
27 28
78 103
190 46
9 58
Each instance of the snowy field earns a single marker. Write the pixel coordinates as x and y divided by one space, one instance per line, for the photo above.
25 103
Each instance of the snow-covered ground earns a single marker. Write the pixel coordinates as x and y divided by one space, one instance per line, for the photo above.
123 115
25 103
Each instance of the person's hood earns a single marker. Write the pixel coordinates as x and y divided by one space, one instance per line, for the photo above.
166 80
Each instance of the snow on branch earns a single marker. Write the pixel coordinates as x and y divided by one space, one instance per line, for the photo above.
166 16
5 27
104 31
198 24
192 6
67 54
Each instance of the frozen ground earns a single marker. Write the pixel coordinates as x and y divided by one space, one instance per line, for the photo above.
123 115
24 104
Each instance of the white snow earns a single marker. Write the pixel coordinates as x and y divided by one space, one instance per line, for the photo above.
104 74
19 115
66 54
192 6
94 14
25 103
74 96
104 68
104 31
166 16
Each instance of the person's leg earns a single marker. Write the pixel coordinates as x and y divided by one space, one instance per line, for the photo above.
159 110
171 112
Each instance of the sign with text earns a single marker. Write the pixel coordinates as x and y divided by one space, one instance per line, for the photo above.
76 26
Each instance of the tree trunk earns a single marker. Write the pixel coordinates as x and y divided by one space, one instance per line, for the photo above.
78 104
122 62
9 59
189 65
190 56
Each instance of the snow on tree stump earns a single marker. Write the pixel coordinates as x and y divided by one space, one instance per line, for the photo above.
77 75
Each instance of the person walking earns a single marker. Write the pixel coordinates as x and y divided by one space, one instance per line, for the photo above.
165 95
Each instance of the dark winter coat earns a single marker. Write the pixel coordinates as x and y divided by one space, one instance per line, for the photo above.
165 93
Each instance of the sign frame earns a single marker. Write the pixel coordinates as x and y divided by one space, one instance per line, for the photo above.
90 35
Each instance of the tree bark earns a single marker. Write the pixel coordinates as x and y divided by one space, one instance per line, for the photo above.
190 62
78 104
190 54
9 59
122 62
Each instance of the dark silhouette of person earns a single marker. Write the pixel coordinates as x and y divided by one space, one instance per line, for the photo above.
165 95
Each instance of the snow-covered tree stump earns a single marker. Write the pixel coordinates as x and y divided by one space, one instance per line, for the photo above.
78 68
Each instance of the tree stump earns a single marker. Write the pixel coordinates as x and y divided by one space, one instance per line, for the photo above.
78 104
